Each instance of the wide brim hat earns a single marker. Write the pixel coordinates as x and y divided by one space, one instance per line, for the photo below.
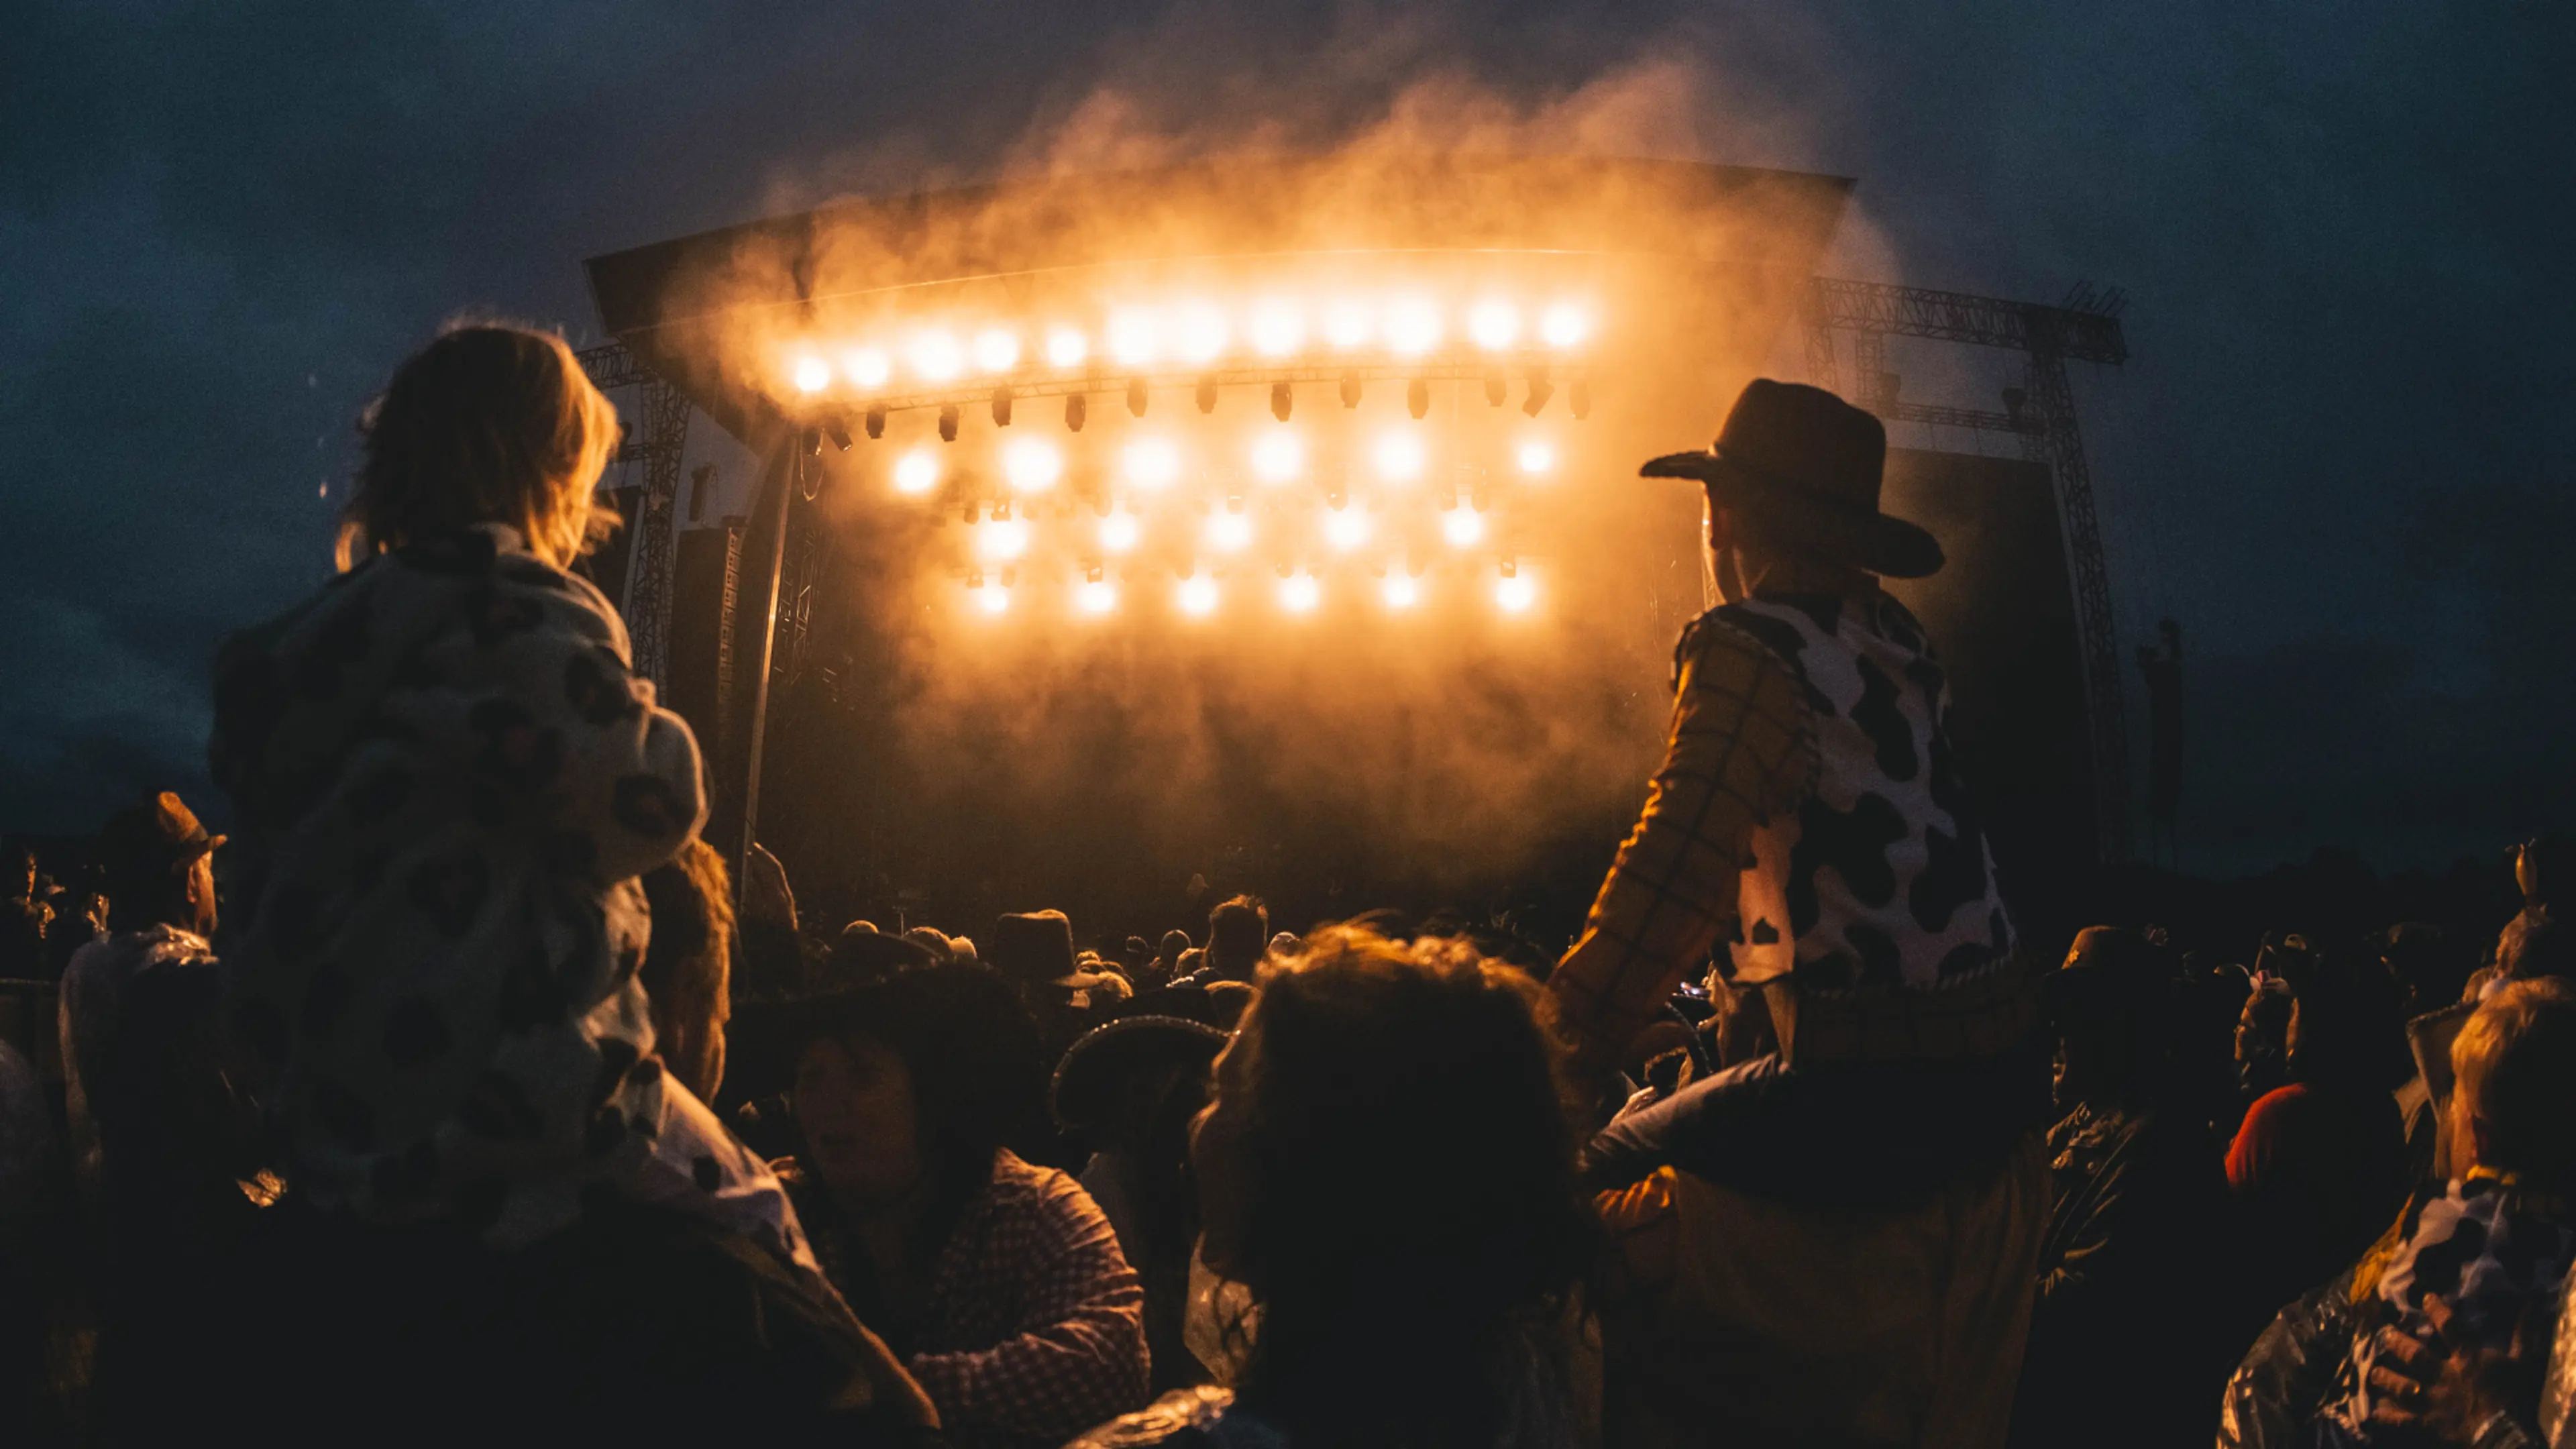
1034 946
1809 465
1086 1086
2107 969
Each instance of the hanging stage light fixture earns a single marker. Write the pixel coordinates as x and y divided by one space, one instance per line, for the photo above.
948 422
1281 400
1075 410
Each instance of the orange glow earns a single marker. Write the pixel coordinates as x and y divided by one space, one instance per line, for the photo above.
1346 324
1198 597
1099 596
1278 327
992 599
1537 456
1231 532
936 357
1277 456
1412 326
1032 465
997 349
1301 594
1152 463
1002 541
918 472
1346 529
1202 332
1564 325
1462 528
1066 347
866 366
1118 532
1494 324
1133 337
1400 457
1514 595
1402 592
812 374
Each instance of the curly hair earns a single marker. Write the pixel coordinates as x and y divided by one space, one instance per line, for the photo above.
1412 1207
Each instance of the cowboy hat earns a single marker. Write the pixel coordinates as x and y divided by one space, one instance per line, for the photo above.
1809 465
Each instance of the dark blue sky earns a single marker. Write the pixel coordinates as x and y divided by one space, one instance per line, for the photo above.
2339 457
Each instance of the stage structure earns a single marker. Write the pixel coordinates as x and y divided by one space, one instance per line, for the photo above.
1391 402
2085 327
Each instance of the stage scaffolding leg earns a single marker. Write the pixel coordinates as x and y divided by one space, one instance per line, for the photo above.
735 819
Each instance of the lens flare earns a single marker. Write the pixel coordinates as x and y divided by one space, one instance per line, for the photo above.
1462 528
1002 541
1198 597
918 472
1133 337
1098 596
1537 456
1301 594
992 600
1494 324
1118 532
1346 323
1032 465
1203 332
1231 532
1277 456
811 374
1412 326
1399 457
866 366
1277 327
1066 347
1152 463
1402 592
1514 595
936 357
1564 325
1346 529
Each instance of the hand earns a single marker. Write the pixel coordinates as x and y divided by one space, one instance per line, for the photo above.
2439 1390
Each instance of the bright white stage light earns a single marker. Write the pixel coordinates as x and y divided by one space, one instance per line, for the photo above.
1400 457
992 599
1412 326
1066 347
1198 596
867 366
1346 323
997 349
811 374
1346 528
1098 596
918 472
1118 532
1402 591
1537 456
1277 455
1152 463
1032 465
1203 332
1004 540
1277 327
1301 594
1514 595
1494 324
1133 337
1462 528
1564 325
936 357
1231 532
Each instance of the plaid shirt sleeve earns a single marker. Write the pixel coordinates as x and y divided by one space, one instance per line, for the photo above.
1078 1358
1742 746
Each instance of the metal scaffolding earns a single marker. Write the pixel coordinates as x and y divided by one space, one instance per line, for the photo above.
664 438
2083 328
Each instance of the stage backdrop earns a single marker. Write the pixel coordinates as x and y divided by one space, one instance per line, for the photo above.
2002 619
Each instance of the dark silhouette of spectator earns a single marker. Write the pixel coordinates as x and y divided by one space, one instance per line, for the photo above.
687 971
1238 937
1387 1168
999 1284
25 913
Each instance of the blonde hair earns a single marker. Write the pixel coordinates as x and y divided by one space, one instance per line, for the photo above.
2515 1067
490 423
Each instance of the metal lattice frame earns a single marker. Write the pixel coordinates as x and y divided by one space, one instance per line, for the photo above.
2085 329
665 439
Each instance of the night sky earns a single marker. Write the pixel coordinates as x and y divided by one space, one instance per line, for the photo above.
2339 456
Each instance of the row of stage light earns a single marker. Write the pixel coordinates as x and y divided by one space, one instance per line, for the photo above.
1202 595
1189 334
1033 467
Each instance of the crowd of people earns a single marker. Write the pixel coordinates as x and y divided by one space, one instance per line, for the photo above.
463 1091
